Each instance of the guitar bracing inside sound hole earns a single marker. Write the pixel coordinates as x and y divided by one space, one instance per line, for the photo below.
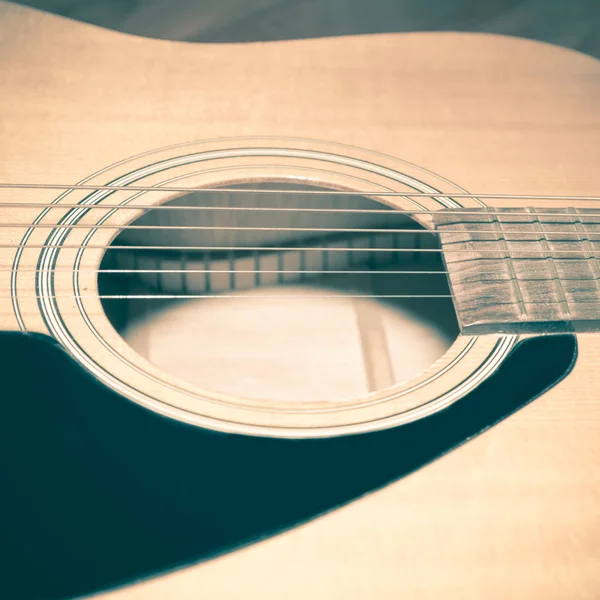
276 314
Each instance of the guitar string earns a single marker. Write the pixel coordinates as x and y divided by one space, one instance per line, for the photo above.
382 230
260 271
265 272
236 271
138 188
229 296
497 211
491 299
496 235
515 252
405 195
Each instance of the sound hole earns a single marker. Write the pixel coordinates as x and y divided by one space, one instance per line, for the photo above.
278 314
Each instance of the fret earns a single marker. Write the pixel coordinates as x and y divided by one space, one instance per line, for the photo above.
587 245
543 241
513 274
497 226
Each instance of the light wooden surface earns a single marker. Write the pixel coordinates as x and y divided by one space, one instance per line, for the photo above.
513 513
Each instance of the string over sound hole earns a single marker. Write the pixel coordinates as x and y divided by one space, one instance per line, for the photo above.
281 305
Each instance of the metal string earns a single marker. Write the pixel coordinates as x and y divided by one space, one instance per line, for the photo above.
230 296
139 188
369 211
495 233
202 271
388 211
229 249
491 299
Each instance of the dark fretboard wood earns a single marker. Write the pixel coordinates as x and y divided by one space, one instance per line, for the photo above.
512 272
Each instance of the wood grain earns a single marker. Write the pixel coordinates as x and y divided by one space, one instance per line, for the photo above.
515 512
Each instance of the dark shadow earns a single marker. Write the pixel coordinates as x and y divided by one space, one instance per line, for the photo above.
98 492
572 23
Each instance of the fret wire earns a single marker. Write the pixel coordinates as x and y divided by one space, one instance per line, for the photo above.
543 241
511 268
588 245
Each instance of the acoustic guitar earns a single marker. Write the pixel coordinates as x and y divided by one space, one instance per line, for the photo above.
311 318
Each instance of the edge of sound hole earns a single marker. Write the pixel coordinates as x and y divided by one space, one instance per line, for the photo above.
372 357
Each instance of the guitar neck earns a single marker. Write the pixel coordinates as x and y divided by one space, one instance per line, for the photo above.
523 270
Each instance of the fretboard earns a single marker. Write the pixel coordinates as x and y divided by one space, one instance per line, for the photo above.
523 270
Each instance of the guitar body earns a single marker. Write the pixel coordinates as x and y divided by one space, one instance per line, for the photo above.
511 513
